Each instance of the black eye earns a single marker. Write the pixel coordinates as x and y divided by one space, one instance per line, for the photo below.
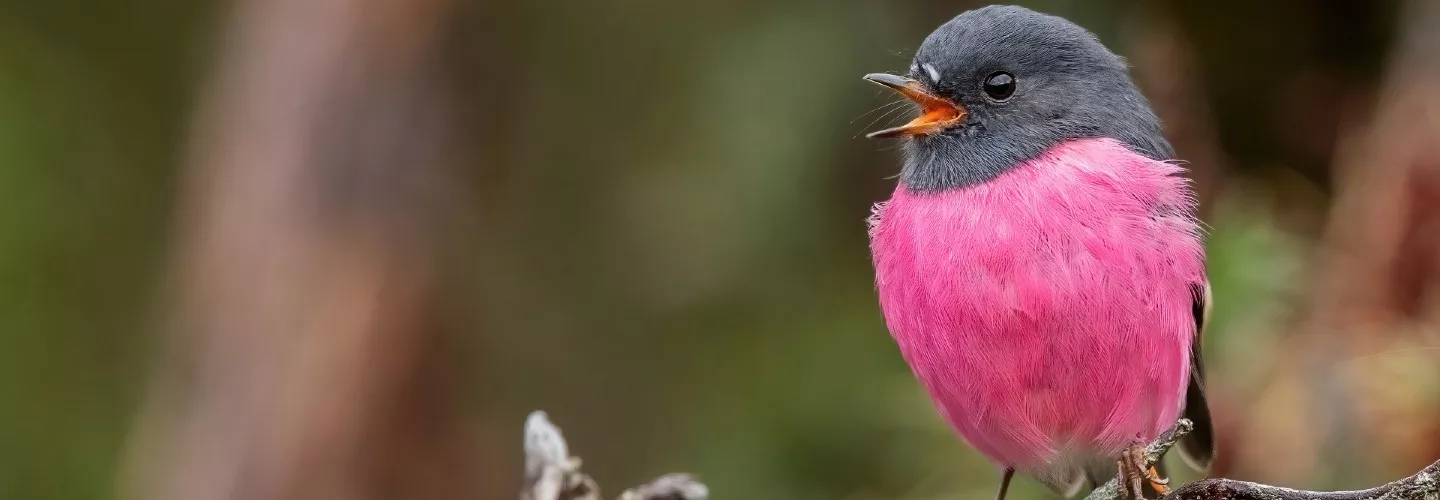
1000 86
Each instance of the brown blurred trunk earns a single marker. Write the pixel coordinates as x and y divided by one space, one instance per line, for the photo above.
1378 273
306 356
1361 387
1380 242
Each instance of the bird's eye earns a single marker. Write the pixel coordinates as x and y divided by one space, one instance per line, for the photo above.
1000 86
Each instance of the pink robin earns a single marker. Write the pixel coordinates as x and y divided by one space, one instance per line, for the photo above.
1040 265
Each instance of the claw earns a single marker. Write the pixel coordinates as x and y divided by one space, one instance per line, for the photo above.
1161 484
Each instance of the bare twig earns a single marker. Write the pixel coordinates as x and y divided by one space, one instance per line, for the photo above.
552 474
1424 485
669 487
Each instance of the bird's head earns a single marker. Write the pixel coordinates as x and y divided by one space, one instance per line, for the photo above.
1000 85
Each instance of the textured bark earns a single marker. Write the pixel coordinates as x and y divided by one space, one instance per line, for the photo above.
1424 485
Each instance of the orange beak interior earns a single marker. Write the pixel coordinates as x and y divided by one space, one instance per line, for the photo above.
936 113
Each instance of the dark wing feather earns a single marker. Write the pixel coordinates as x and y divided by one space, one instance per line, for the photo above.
1198 448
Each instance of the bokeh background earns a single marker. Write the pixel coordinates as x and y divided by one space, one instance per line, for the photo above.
338 249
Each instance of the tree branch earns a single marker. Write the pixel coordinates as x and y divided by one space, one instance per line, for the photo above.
552 474
1424 485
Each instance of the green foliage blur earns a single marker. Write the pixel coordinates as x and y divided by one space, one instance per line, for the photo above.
94 97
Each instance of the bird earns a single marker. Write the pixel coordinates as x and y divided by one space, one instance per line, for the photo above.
1040 263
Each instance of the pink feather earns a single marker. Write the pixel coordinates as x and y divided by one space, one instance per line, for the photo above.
1047 311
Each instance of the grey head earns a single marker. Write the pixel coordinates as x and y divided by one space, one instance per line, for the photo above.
1000 85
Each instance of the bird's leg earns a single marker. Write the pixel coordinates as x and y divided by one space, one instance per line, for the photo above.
1004 483
1131 470
1134 473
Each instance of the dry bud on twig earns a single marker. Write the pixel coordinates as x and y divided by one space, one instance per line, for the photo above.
552 474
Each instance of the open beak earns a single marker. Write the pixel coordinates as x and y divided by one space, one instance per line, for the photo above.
936 113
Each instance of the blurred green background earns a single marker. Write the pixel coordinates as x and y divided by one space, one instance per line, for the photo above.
663 241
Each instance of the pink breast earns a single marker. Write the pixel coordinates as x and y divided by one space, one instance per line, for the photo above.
1048 311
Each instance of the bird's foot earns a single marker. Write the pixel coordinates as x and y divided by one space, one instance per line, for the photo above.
1161 484
1130 473
1135 473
